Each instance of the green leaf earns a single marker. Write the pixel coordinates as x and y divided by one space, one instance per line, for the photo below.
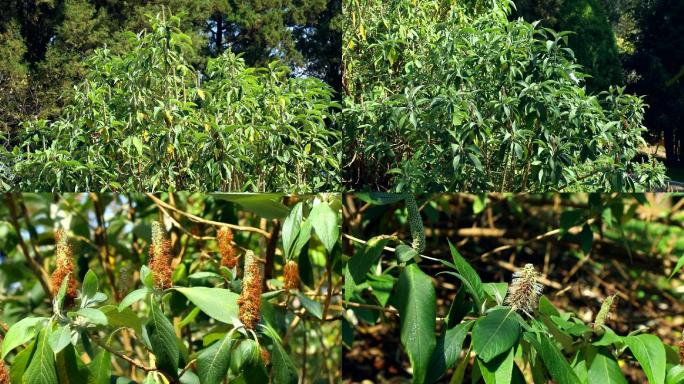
586 238
41 370
207 298
469 277
291 227
60 338
283 369
569 219
553 359
415 298
405 253
602 368
20 333
325 223
90 284
447 350
133 297
495 333
313 307
266 205
382 286
247 354
650 352
358 266
101 368
147 277
680 264
499 370
675 375
547 308
163 341
21 362
213 361
70 368
126 318
361 262
94 316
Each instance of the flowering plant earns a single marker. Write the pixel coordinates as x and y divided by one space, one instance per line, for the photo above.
211 301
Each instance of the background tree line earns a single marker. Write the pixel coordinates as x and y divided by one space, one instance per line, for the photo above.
44 42
637 43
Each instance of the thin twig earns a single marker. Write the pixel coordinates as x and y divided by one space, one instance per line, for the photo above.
198 219
37 269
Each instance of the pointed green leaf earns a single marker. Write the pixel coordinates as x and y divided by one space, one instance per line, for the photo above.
163 341
415 298
495 333
283 369
213 362
325 223
20 333
603 368
133 297
650 352
90 284
553 359
499 370
41 370
469 277
313 307
207 298
101 368
447 350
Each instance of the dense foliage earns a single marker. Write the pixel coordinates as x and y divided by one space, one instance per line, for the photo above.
594 296
48 40
648 38
148 120
183 288
457 97
592 40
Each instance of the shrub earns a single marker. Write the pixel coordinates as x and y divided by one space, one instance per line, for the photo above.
148 120
455 326
443 98
150 301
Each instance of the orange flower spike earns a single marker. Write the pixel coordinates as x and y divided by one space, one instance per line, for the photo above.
65 267
265 356
225 238
291 275
250 297
4 375
160 258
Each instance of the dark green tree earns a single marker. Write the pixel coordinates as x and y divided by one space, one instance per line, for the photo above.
47 41
659 67
593 41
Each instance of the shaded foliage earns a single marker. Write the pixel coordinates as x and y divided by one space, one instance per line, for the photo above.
441 97
658 63
592 41
610 309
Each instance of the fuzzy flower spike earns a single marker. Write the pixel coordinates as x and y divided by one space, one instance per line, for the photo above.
291 275
65 267
160 257
249 301
224 237
4 375
524 291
